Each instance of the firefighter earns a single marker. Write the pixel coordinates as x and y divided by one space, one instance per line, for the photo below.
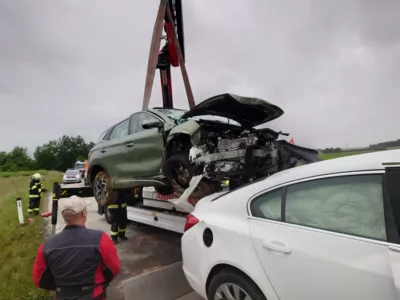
78 263
119 217
35 189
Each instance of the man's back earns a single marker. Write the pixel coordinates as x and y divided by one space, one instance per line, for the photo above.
74 261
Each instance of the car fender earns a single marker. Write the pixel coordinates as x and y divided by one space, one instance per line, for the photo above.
95 163
189 127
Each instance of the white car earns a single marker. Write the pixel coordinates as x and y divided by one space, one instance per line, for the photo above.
324 231
72 176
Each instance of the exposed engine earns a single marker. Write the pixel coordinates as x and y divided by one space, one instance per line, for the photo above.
232 154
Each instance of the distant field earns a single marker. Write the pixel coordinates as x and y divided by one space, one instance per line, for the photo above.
19 244
341 154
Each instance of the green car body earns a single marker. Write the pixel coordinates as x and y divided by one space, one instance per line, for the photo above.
153 147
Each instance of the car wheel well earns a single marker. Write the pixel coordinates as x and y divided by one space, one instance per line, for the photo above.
94 171
179 143
225 267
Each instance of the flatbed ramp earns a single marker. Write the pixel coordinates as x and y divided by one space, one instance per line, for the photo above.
167 283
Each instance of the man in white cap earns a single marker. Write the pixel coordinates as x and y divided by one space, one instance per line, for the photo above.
78 263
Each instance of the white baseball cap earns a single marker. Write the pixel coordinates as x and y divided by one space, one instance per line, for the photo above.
74 203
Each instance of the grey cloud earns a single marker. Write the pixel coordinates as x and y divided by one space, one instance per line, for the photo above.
76 67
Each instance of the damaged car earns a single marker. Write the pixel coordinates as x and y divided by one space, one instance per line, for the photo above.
217 139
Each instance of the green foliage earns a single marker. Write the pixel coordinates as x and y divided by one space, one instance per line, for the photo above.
22 173
385 145
16 160
57 155
19 244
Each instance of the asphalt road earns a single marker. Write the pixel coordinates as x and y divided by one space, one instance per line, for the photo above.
147 249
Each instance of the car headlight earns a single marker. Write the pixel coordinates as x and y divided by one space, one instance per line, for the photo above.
77 176
196 138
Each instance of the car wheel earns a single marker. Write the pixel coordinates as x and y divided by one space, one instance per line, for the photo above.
102 190
177 169
229 284
164 190
107 215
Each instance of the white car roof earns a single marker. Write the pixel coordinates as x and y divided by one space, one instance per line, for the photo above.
353 163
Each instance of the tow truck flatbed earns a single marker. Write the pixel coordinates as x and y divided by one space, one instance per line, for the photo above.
150 208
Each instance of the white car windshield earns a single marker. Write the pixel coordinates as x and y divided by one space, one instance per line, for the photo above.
72 172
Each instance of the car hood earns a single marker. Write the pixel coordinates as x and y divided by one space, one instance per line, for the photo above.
248 111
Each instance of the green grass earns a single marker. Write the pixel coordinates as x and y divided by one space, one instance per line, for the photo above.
22 173
19 243
340 154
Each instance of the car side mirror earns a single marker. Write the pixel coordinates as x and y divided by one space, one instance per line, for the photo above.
149 124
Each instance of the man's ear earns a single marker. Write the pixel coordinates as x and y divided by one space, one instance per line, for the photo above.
84 213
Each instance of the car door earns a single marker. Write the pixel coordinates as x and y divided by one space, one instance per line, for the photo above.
325 238
393 221
114 151
146 147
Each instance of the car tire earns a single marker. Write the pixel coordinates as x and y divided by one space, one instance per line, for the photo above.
164 190
175 162
102 191
232 278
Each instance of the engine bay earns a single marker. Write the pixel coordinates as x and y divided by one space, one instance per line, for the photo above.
223 151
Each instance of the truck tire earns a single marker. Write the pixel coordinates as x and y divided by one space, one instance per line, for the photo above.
102 191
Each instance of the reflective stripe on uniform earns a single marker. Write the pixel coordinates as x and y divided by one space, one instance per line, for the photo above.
30 210
123 205
113 233
34 196
121 230
113 206
36 209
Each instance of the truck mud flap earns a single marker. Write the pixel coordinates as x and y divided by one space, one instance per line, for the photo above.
79 191
167 283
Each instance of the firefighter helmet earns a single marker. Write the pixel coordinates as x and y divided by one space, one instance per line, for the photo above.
36 176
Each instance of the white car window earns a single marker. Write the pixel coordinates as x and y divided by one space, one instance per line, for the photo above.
120 130
268 205
347 204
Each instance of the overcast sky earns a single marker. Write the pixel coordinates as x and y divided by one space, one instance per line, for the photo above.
76 67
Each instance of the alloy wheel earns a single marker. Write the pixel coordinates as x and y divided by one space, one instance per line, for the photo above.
230 291
100 188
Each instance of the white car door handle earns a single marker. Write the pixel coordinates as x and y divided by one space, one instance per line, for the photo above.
277 246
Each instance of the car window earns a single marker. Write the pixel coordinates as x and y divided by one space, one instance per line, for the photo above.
102 135
268 205
347 204
138 118
120 130
72 172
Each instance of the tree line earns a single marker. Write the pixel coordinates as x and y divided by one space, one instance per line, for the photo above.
374 147
56 155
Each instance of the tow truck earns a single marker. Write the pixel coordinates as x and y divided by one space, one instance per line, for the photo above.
145 205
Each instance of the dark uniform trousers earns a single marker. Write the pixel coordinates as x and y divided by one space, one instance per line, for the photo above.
35 188
119 219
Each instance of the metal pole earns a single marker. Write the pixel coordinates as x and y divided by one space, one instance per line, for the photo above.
20 212
54 207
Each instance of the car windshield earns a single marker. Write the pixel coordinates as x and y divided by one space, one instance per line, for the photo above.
172 113
72 172
176 114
